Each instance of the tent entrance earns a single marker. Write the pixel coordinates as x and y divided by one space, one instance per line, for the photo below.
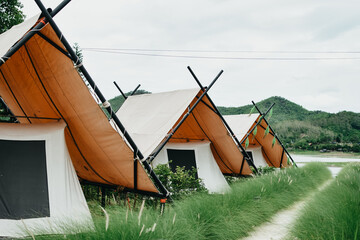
182 158
23 180
194 154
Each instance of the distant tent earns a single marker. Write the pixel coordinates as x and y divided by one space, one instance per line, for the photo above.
262 148
40 192
149 119
39 83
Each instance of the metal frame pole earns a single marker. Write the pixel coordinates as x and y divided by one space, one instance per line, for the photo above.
122 93
133 92
243 151
282 145
152 156
105 103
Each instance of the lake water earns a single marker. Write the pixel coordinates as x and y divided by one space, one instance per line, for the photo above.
301 160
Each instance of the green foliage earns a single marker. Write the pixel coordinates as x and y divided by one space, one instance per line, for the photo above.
5 114
78 51
10 14
334 212
232 215
266 170
282 110
181 182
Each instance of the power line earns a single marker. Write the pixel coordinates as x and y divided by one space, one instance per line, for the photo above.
221 57
217 51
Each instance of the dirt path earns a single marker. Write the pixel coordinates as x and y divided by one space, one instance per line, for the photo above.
279 225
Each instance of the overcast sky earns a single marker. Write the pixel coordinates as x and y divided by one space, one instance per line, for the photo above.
252 41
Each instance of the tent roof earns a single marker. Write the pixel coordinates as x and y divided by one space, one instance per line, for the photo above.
39 80
241 124
149 118
10 37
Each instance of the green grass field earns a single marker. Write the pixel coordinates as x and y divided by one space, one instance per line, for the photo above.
333 213
211 216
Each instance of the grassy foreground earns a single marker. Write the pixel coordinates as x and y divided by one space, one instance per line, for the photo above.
218 216
335 212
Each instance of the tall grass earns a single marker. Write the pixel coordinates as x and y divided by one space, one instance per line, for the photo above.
334 213
218 216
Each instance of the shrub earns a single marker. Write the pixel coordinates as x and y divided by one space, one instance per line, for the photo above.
181 182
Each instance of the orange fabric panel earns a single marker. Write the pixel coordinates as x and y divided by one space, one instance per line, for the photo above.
272 154
98 152
204 124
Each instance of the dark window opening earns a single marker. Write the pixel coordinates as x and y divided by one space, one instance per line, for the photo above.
23 180
182 158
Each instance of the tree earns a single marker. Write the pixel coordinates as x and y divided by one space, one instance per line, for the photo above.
10 14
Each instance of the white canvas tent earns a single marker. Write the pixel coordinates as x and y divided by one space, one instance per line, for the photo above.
39 190
39 83
261 147
149 118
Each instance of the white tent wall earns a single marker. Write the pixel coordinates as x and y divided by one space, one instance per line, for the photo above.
258 156
68 209
207 168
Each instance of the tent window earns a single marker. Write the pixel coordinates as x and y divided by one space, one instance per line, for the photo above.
23 180
182 158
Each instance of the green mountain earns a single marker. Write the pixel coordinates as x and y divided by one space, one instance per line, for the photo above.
300 128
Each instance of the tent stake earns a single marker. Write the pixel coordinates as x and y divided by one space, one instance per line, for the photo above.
274 134
152 156
241 148
105 103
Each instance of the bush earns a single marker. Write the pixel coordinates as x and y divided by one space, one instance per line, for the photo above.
181 182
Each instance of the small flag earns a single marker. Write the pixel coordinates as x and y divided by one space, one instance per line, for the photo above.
255 131
267 130
252 110
270 114
273 142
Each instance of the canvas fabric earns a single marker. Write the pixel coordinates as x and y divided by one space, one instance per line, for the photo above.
149 118
69 212
40 81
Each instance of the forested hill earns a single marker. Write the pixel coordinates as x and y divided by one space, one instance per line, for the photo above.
283 109
313 130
